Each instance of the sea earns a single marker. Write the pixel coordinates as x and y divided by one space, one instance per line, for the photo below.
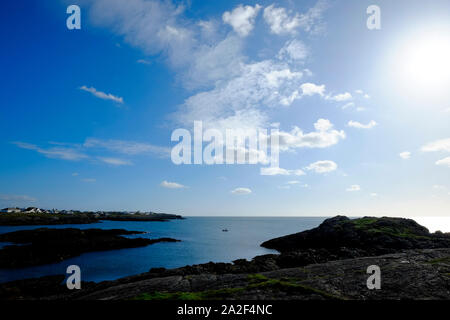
202 240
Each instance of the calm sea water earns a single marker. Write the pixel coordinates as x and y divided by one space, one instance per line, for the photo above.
202 241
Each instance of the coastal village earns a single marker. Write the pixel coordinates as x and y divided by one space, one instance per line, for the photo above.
34 210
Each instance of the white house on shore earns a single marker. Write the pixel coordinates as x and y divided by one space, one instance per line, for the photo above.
33 210
11 210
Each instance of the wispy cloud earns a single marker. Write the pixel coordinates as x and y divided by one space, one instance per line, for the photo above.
172 185
54 152
348 105
444 162
353 187
143 61
323 166
102 95
405 155
293 51
241 191
282 21
91 147
89 180
127 147
358 125
340 97
438 145
275 171
115 161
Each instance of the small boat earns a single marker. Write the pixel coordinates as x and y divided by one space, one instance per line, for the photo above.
224 230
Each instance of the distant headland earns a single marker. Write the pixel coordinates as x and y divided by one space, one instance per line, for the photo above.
35 216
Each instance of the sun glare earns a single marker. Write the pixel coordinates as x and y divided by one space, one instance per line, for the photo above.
423 64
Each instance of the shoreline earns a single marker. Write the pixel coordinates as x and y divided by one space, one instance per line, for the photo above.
378 240
27 219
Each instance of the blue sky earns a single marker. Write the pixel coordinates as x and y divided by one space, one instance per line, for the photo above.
87 115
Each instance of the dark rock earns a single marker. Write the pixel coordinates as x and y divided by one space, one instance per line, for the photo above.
43 245
23 219
371 236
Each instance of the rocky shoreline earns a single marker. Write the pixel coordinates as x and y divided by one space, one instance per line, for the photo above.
327 262
24 219
43 245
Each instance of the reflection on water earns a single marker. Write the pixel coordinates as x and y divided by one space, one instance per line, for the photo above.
434 223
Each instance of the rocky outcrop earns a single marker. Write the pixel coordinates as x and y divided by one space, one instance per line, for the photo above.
24 219
412 274
43 245
368 236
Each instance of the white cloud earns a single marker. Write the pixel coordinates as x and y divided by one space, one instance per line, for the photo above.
293 50
282 21
210 63
102 95
274 171
240 102
75 174
77 152
242 18
115 161
89 180
153 26
438 145
353 187
63 153
296 182
340 97
194 49
279 20
172 185
309 89
348 105
240 191
356 124
324 136
405 155
322 166
444 162
364 95
143 61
